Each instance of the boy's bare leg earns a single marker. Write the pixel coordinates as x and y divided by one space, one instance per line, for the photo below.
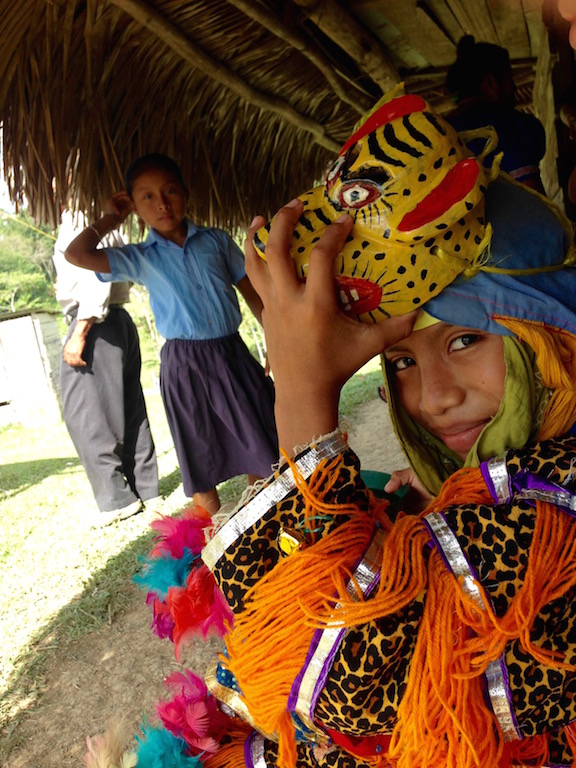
209 500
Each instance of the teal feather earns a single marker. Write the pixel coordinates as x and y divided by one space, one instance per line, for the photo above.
158 748
161 573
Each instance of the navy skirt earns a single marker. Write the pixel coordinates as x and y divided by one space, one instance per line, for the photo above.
220 408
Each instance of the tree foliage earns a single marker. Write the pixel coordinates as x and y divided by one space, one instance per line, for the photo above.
26 268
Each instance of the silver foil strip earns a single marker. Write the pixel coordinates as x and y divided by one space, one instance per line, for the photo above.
495 674
257 751
499 476
270 495
366 575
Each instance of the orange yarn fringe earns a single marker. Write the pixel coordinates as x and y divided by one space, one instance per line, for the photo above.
556 360
442 720
271 637
231 754
570 732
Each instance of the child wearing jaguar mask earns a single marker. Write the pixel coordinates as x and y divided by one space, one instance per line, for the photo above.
366 632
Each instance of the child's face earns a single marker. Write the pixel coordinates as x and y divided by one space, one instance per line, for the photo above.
450 380
160 199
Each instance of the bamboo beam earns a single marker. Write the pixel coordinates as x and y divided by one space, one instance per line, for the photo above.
365 48
150 19
474 19
259 13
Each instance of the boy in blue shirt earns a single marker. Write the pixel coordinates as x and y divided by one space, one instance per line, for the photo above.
218 400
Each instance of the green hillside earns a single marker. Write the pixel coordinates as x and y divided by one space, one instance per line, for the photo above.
26 269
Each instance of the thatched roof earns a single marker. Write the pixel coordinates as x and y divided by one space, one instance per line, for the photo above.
252 97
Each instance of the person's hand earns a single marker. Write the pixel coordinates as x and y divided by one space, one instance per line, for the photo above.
417 497
567 9
313 347
73 350
120 205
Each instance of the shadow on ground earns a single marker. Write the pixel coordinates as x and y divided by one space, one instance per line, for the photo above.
34 471
96 659
169 483
101 604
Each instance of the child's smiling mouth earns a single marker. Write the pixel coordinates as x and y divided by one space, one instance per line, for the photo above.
461 437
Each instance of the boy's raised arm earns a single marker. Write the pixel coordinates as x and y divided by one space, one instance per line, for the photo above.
250 297
83 251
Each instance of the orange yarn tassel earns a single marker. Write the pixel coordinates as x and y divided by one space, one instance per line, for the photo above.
533 752
466 486
403 575
442 719
570 732
551 572
231 753
271 637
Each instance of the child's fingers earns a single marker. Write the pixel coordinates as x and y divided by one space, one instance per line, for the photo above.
278 255
321 268
252 259
393 330
399 479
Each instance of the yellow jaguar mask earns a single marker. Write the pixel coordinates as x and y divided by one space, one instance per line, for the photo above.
416 194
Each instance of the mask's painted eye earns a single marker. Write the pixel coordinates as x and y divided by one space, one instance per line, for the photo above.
358 194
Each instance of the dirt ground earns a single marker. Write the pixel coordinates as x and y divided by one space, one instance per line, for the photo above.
119 670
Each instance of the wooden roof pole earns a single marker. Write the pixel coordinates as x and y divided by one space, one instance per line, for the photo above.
176 41
361 103
364 47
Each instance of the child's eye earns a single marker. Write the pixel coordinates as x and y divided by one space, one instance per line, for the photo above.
401 363
466 340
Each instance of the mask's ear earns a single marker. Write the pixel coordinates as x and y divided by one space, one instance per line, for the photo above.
488 134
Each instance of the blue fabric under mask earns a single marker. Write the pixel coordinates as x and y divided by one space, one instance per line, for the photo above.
527 234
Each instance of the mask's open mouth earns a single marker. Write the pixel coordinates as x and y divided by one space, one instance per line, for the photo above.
357 296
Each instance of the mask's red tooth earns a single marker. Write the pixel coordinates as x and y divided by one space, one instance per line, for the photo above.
357 296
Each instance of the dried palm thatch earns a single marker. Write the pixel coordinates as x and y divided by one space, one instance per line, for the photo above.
252 97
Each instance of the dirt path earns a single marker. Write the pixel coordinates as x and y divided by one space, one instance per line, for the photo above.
119 670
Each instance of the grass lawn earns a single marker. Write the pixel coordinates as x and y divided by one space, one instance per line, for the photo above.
58 579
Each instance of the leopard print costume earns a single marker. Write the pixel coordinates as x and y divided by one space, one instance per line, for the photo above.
368 674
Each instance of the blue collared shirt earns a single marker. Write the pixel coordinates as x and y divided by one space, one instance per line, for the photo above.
190 287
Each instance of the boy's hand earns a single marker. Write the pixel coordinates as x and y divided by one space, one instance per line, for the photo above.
312 345
417 498
120 205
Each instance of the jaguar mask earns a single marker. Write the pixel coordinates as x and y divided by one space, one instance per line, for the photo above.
416 194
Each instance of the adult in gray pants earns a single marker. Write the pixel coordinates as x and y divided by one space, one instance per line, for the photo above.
102 400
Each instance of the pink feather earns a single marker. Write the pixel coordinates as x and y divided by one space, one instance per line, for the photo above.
191 685
162 622
178 533
197 609
192 714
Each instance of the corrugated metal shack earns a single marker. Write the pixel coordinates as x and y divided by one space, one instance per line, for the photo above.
30 348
